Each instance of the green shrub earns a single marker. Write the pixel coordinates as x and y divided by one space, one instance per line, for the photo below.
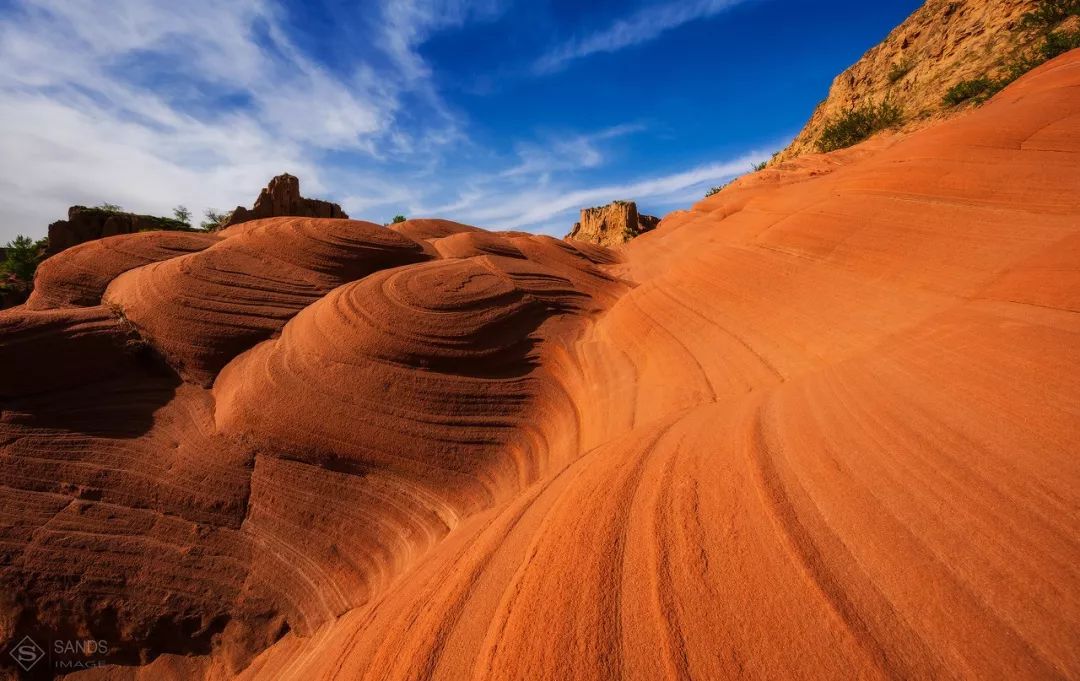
978 89
760 166
397 219
1059 42
110 208
21 258
858 123
900 69
1051 12
714 190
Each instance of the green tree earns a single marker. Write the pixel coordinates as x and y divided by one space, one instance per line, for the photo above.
182 214
214 220
110 207
397 219
22 257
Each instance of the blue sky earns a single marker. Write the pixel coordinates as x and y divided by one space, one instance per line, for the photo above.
505 114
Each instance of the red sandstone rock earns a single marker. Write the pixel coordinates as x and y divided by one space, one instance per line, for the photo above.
611 225
87 224
281 198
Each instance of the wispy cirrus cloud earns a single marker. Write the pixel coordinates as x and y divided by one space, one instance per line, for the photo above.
566 152
150 104
640 27
553 209
153 103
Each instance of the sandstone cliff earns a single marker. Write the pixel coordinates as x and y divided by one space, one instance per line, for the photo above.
611 225
86 224
941 44
281 198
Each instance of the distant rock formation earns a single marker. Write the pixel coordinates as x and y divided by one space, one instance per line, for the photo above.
86 224
281 197
611 225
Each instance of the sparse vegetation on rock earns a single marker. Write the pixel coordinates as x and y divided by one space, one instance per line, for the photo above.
1053 43
901 69
858 123
941 45
1051 12
977 89
1059 42
214 220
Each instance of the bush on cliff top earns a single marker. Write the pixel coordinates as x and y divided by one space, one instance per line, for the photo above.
858 123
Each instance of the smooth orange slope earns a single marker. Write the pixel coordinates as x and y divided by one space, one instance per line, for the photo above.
824 425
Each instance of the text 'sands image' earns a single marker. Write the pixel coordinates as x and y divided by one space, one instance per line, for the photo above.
432 340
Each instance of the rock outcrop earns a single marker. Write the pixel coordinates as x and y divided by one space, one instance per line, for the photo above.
281 198
86 224
940 44
611 225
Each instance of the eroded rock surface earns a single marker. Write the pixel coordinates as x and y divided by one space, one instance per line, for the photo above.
88 224
611 225
281 198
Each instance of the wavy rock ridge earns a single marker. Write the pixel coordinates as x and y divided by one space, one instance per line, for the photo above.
822 425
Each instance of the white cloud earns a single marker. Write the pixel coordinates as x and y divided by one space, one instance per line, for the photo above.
640 27
153 103
537 209
566 152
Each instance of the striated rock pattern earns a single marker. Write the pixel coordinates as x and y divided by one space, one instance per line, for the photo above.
87 224
201 310
80 277
824 424
940 44
144 508
281 197
611 225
